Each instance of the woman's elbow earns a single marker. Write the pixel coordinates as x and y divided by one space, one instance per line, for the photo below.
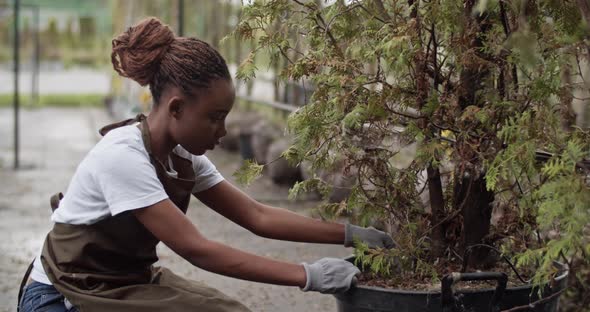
195 251
258 221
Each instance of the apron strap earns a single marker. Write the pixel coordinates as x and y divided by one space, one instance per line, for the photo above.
145 136
104 130
54 200
23 283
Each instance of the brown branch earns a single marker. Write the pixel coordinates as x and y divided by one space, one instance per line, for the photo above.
371 13
360 185
318 18
437 206
502 83
350 8
414 12
504 18
320 147
507 32
284 54
381 7
580 71
434 57
404 114
300 3
445 128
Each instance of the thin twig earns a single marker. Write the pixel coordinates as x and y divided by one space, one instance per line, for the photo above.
300 3
372 15
318 18
468 249
340 13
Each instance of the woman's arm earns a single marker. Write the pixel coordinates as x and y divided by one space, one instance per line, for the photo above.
267 221
172 227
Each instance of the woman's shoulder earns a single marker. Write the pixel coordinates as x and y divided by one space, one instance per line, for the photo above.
122 136
119 141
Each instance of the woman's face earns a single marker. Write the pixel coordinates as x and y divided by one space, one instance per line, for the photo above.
201 122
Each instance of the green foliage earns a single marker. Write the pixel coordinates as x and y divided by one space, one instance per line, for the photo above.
248 172
375 260
247 70
479 87
563 203
307 186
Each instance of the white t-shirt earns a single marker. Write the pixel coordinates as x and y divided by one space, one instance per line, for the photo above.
117 176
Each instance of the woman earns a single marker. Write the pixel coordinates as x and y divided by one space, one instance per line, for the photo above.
132 190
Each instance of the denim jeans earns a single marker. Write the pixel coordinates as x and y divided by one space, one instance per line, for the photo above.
39 297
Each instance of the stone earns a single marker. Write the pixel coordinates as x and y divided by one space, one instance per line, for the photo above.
279 170
264 133
237 122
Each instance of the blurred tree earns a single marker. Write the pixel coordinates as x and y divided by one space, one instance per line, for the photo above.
70 38
87 29
50 41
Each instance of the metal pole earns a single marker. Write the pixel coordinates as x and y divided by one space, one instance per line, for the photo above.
16 74
180 16
36 55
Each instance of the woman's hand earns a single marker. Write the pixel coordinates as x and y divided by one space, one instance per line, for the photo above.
370 236
330 275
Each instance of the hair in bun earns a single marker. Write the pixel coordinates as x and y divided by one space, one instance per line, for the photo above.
150 53
140 50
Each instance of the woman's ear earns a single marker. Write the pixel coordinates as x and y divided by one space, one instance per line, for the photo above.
175 106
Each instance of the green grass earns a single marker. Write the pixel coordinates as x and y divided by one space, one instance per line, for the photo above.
60 100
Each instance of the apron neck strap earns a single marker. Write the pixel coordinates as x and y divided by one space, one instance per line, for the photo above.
145 133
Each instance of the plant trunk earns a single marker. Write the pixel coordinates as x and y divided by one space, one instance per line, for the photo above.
471 198
437 206
436 198
475 204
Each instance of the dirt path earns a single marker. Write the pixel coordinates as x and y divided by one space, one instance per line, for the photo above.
54 140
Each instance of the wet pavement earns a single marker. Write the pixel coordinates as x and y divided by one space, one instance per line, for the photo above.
54 140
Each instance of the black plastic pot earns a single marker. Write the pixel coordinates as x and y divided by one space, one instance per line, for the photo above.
365 298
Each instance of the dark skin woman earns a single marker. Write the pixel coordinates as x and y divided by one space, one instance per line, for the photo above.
133 188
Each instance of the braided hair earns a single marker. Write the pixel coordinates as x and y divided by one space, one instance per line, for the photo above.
151 54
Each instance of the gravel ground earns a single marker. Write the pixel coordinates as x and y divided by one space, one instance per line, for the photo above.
54 140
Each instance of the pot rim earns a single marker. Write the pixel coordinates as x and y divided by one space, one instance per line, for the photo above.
563 275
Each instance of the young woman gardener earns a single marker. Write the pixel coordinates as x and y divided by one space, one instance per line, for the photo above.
132 190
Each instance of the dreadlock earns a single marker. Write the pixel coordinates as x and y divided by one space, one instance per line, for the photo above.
150 53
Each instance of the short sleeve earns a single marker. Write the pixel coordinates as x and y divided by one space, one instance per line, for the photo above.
206 175
128 180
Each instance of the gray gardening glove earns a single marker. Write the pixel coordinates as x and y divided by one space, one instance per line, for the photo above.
370 236
330 275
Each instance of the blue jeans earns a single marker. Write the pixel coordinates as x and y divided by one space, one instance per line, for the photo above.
39 297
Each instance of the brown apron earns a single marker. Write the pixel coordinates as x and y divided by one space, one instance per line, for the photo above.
108 266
